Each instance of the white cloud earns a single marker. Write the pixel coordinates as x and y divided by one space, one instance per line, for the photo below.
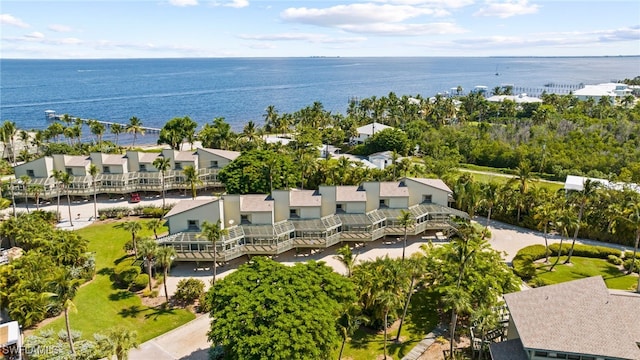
351 14
507 9
183 3
449 4
59 28
8 19
309 37
237 4
405 29
36 35
70 41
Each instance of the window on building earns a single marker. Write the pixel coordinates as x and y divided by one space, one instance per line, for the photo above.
69 171
193 225
143 167
427 199
213 164
293 213
383 203
339 208
178 166
31 173
244 219
106 170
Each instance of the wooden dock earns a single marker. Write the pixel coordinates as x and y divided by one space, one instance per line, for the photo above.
52 115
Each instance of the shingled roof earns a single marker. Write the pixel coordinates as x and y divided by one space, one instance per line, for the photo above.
579 317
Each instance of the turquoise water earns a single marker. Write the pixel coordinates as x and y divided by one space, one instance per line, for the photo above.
239 89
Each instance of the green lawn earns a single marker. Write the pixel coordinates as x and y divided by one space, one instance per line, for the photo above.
585 267
421 319
100 305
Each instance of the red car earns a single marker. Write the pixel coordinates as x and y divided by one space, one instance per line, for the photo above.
135 198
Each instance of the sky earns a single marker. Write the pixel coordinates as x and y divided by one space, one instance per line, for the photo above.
50 29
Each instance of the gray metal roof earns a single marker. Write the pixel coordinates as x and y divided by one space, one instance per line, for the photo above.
275 230
326 223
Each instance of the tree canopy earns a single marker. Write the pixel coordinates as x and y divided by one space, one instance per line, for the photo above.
259 172
266 310
176 130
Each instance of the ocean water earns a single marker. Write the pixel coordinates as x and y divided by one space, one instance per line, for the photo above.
240 89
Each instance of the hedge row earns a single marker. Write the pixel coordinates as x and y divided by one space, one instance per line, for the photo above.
118 212
589 251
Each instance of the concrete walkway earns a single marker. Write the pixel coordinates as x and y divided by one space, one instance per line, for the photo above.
423 345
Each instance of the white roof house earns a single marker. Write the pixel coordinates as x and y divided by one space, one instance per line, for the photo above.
576 183
518 99
367 131
383 159
610 90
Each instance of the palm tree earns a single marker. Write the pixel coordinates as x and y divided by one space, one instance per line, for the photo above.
120 341
164 257
459 301
388 300
405 219
25 180
489 194
116 129
135 127
631 216
544 215
149 249
155 225
97 129
162 164
416 268
36 190
93 171
588 193
9 131
65 180
134 227
346 257
57 175
348 323
214 233
65 287
191 178
565 222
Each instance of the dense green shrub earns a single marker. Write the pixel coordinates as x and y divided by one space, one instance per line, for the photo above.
539 282
589 251
535 252
627 265
153 212
125 274
140 282
189 290
113 212
614 260
629 254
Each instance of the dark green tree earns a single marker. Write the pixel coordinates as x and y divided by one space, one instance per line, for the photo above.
267 310
176 130
258 172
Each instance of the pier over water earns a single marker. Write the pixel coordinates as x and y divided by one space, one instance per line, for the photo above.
52 115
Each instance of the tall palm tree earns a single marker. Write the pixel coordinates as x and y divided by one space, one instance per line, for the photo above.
8 132
116 129
25 180
36 190
214 233
133 227
149 249
165 256
346 257
405 219
489 194
458 301
589 192
388 300
65 180
155 225
120 341
57 175
416 269
162 164
65 287
565 222
93 171
544 215
631 216
135 127
192 179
